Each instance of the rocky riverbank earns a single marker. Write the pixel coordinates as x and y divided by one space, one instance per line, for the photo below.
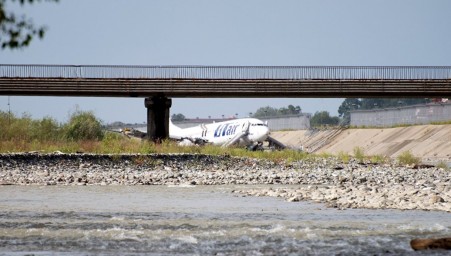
351 185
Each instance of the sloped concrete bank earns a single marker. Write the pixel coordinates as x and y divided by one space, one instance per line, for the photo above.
324 180
432 143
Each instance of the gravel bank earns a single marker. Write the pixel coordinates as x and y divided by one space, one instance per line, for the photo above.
351 185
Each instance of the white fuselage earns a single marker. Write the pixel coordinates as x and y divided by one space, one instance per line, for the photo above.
245 131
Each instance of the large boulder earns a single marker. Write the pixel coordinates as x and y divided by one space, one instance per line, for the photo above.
423 244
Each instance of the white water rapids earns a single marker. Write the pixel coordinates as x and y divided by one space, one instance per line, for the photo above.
201 220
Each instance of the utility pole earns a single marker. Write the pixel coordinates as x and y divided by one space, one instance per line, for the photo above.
9 111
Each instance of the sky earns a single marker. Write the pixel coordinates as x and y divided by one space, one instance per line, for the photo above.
219 32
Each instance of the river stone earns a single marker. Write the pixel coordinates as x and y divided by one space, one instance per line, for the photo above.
352 185
424 244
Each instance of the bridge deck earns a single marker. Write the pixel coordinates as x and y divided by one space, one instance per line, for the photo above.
215 81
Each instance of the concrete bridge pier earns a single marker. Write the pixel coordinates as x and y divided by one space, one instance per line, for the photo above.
157 117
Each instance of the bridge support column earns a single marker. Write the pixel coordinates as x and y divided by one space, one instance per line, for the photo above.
157 117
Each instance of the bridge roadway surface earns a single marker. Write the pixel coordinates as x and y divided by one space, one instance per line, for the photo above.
226 81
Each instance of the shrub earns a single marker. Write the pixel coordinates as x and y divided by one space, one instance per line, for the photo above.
83 126
443 165
359 154
378 159
325 155
111 143
46 129
407 158
27 129
344 157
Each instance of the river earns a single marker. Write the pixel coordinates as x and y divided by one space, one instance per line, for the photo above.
200 220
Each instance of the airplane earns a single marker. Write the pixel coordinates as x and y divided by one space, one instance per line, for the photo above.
249 132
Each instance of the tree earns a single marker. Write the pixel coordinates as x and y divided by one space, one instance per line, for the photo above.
18 32
290 110
347 106
178 117
265 112
270 111
323 118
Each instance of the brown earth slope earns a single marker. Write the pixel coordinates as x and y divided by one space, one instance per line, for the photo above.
429 142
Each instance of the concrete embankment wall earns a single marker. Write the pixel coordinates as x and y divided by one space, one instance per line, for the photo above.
430 142
417 114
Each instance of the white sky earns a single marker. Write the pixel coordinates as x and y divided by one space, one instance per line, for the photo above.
226 32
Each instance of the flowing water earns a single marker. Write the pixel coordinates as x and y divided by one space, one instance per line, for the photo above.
201 220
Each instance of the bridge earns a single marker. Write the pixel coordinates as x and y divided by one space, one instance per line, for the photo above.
160 83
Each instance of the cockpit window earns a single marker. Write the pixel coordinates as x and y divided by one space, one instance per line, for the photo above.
259 124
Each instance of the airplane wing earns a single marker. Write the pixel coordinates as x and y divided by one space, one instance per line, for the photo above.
193 140
275 143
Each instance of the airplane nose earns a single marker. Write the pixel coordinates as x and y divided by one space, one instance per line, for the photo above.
266 132
259 134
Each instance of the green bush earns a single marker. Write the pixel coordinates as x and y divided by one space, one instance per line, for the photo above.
25 128
83 125
443 165
344 157
407 158
359 154
378 159
46 129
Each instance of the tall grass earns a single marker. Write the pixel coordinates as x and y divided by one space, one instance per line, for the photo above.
27 134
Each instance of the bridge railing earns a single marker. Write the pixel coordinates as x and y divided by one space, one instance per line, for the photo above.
227 72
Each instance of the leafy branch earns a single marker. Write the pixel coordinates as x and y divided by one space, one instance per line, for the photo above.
17 32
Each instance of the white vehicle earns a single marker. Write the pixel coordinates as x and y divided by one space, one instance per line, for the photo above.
249 132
